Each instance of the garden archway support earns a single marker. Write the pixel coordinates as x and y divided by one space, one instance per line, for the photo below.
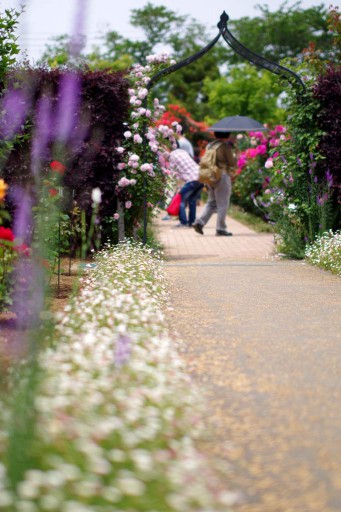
239 48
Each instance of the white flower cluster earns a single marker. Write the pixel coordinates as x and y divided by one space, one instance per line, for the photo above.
115 411
143 124
325 252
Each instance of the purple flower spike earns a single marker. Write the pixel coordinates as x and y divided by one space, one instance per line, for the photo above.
77 41
329 178
311 156
23 217
15 105
68 107
42 134
299 161
123 350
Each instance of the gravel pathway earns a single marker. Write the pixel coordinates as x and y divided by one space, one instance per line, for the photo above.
261 338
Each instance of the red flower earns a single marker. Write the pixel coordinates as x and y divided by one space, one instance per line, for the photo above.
53 192
57 167
6 234
23 249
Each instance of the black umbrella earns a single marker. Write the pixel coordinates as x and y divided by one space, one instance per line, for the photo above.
236 124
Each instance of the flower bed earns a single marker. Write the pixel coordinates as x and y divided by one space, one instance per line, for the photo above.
325 252
115 411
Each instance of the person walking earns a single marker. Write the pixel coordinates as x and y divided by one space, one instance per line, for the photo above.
219 194
187 170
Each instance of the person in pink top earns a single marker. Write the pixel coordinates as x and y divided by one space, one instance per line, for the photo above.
186 170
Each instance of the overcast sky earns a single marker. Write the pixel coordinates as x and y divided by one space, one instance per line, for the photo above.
46 18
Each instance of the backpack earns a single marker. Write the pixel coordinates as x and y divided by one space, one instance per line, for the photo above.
209 172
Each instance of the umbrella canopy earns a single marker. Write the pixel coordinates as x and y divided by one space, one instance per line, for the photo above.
236 124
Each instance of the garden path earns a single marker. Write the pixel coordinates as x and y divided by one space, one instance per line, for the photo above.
261 339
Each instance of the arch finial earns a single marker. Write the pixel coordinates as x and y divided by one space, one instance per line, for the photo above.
223 21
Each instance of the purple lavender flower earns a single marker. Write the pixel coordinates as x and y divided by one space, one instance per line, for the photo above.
22 217
15 106
299 161
329 178
68 106
123 350
321 200
42 135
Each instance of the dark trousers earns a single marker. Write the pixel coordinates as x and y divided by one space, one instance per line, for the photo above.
190 193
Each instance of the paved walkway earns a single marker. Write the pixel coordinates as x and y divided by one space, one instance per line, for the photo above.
261 338
185 243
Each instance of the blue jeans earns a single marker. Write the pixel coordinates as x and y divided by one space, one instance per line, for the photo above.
190 193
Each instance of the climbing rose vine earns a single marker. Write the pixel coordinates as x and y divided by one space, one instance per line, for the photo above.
139 169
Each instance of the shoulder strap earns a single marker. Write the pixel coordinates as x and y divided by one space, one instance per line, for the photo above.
217 143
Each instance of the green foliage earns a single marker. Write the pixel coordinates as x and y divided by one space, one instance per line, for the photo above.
245 91
7 261
250 220
62 50
9 47
298 194
284 32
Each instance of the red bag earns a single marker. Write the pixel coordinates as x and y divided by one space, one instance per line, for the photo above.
174 205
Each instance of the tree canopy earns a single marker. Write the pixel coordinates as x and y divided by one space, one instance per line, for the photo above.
284 33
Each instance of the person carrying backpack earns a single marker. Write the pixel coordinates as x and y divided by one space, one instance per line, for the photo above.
215 169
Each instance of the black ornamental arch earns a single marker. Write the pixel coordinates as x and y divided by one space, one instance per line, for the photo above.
239 48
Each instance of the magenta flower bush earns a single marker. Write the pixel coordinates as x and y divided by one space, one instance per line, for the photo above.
252 173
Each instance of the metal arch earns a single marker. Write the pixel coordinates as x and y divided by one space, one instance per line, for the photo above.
239 48
183 63
260 61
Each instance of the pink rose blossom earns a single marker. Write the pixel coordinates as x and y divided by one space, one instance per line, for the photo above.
142 93
138 138
145 167
121 166
269 163
128 204
116 216
127 134
120 150
261 149
123 182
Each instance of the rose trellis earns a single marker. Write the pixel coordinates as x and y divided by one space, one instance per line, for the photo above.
144 167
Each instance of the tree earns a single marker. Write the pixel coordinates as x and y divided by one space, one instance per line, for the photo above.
9 47
157 24
63 50
245 91
283 33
